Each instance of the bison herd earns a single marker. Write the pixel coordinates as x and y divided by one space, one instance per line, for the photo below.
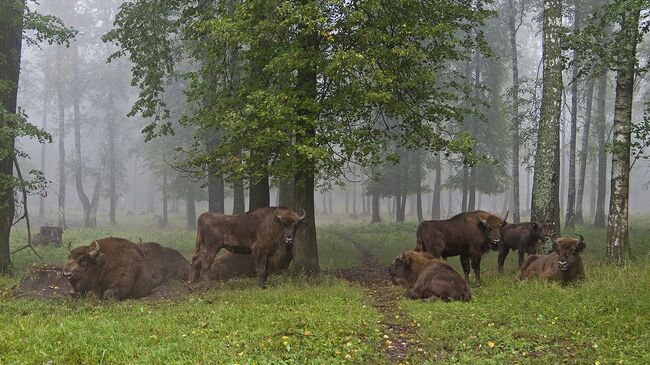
261 241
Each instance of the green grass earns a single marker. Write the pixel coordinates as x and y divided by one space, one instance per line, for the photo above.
604 319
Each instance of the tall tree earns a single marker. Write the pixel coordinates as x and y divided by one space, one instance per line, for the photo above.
435 201
584 151
571 190
514 57
618 249
545 199
599 217
61 135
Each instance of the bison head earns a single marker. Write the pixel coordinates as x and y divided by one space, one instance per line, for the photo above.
544 230
568 249
83 267
289 222
491 226
400 270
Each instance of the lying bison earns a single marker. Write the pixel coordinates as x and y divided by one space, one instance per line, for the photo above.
426 277
110 268
164 263
259 232
469 234
229 265
564 264
523 237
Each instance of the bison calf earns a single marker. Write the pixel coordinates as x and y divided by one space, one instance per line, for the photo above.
564 264
164 263
110 268
426 277
229 265
523 237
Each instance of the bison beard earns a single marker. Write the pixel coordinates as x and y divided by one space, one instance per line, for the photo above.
523 237
426 277
469 234
563 265
110 268
259 232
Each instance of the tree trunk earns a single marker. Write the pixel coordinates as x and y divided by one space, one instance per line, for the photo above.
259 195
62 172
618 248
545 188
471 202
329 202
150 194
285 194
571 194
347 198
584 152
11 30
354 198
190 210
46 104
593 188
238 201
164 221
376 216
112 170
437 187
463 203
515 111
216 186
599 216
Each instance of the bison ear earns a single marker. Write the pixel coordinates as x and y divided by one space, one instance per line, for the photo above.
581 246
554 247
484 223
94 253
535 225
277 219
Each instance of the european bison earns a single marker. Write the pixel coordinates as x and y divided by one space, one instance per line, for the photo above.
564 264
110 268
426 277
164 263
523 237
258 232
469 234
228 265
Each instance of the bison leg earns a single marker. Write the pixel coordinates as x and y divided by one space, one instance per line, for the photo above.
503 253
260 269
464 261
196 267
521 251
413 294
476 266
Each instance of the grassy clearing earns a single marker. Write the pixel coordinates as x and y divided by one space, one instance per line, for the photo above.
605 319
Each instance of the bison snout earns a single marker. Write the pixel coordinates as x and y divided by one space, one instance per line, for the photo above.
288 241
563 265
67 274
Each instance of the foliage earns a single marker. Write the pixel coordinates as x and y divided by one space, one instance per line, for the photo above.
374 60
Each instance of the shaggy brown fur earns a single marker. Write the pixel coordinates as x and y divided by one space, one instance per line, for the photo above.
259 232
110 268
564 264
426 277
469 234
523 237
164 263
228 265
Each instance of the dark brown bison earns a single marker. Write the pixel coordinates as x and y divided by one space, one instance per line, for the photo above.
228 265
564 264
523 237
426 277
164 263
259 232
469 234
110 268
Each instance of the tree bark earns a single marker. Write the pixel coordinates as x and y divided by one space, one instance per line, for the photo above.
259 195
11 30
599 216
544 203
376 216
150 194
471 201
112 166
216 185
354 198
584 152
46 104
437 187
515 111
463 203
285 193
165 197
190 205
238 201
618 247
62 172
571 193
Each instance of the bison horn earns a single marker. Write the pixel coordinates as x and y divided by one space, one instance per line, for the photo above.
483 221
70 246
303 215
581 238
506 217
95 252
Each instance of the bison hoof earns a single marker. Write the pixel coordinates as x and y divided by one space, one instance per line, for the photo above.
109 294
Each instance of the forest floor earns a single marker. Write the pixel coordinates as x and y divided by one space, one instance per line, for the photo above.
352 314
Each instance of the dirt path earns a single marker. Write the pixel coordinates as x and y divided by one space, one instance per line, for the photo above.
399 329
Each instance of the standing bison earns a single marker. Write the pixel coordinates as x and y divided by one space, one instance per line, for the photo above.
469 234
564 264
164 263
426 277
523 237
259 232
228 265
110 268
